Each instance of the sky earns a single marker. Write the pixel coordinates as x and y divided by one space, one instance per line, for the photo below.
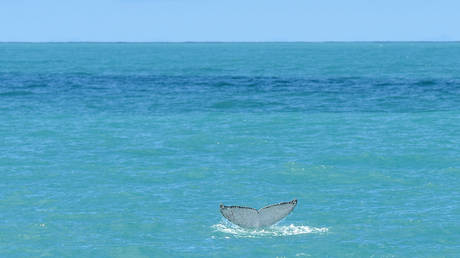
229 20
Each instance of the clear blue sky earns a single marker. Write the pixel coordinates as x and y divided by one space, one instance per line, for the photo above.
229 20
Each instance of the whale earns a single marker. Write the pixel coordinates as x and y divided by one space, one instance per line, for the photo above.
247 217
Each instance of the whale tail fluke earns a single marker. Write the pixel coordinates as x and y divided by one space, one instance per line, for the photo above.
251 218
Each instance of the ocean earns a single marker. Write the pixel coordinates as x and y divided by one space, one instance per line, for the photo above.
127 149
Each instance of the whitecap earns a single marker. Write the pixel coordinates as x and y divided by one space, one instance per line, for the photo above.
273 231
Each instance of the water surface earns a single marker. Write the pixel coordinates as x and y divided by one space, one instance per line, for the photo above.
128 149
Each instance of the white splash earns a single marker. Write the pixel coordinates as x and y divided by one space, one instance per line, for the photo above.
273 231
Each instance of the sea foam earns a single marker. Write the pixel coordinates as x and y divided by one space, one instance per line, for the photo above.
273 231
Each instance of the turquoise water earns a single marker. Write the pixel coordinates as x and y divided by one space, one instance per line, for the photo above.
127 150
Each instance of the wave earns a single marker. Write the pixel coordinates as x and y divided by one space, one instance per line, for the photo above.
273 231
15 93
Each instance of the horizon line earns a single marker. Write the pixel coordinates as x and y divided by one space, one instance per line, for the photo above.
296 41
